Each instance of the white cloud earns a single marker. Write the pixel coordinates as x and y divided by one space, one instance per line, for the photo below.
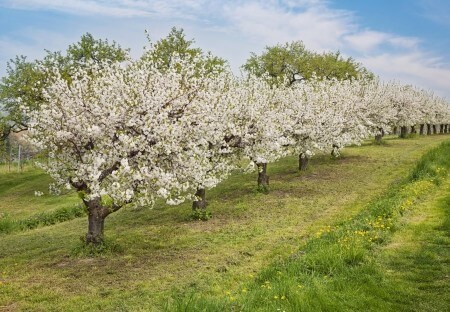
115 8
321 28
80 7
318 27
232 29
415 68
404 42
370 41
366 41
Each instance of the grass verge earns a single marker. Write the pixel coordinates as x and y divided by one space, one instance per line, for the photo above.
9 225
340 270
164 254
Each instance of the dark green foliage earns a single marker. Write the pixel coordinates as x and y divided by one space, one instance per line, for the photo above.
433 165
262 188
165 51
106 247
25 80
18 86
283 61
8 225
90 50
200 215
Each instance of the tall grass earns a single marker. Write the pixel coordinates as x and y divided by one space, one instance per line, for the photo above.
9 225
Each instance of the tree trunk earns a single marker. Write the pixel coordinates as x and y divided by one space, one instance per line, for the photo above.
200 203
428 129
422 126
379 136
96 219
403 132
395 130
263 178
413 129
446 128
434 129
302 162
441 129
335 151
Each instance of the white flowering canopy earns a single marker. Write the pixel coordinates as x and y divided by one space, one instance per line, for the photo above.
131 133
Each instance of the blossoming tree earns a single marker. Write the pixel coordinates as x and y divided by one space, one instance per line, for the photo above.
125 134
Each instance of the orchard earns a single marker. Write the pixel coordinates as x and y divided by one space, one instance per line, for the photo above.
129 132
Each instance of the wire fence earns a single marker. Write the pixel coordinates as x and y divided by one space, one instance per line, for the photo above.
15 157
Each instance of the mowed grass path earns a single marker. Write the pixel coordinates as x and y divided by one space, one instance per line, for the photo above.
164 253
416 263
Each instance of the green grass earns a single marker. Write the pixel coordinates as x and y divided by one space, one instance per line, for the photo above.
416 262
164 257
17 193
343 268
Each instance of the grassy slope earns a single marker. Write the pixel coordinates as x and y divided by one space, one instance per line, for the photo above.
165 254
342 267
417 260
17 193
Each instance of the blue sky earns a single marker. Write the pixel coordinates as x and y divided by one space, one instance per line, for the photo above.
405 40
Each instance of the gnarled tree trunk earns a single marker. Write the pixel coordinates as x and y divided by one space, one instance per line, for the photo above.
96 220
302 162
263 178
434 129
200 203
429 129
413 129
335 151
422 126
403 132
379 136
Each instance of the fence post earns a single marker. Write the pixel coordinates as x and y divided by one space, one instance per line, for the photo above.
18 161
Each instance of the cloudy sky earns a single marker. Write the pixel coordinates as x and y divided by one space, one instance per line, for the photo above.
406 40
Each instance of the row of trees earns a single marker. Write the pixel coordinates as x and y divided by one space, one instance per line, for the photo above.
176 122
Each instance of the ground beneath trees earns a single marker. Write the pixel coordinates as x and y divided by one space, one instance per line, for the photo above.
164 254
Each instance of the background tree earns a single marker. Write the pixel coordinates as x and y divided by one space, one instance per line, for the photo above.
22 84
25 80
175 46
280 62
